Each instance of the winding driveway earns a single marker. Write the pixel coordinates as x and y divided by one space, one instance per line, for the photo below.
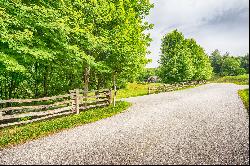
204 125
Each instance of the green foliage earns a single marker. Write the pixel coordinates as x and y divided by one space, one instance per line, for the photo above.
244 95
245 62
200 61
146 73
227 65
46 45
240 79
231 67
21 134
182 59
216 61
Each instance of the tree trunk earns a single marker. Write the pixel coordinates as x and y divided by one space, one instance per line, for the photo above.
45 81
99 81
36 80
114 85
6 87
86 83
11 86
86 78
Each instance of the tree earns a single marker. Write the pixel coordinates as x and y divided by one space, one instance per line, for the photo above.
50 47
200 61
216 61
182 59
245 62
231 67
146 73
127 44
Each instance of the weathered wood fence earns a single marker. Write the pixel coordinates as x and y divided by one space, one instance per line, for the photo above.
22 111
171 87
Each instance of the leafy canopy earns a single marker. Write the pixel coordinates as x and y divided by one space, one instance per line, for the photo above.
182 59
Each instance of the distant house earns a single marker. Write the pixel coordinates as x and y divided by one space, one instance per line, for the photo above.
152 79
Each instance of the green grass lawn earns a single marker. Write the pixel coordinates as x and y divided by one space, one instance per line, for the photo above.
135 89
240 80
20 134
244 95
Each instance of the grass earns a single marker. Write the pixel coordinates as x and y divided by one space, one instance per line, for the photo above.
20 134
244 95
240 80
135 89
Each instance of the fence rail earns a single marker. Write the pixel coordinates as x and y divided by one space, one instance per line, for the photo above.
171 87
22 111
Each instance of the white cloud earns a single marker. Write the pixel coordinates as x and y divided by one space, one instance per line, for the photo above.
221 24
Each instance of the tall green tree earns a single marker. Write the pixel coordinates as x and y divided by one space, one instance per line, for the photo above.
200 61
216 61
182 59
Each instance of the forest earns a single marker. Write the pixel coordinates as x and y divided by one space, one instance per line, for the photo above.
50 47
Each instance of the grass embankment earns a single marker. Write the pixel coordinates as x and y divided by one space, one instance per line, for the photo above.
244 95
240 80
20 134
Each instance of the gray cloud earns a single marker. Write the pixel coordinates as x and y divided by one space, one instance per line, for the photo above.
222 24
231 16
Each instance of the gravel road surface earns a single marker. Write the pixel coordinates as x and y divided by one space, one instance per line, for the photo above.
204 125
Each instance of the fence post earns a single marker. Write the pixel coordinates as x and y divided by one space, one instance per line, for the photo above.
72 95
109 96
114 84
97 97
1 115
77 101
114 97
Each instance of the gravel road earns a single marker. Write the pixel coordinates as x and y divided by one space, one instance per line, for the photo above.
204 125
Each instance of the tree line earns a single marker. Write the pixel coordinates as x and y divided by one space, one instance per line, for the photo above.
228 65
184 59
50 47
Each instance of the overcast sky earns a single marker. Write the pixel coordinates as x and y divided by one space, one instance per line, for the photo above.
221 24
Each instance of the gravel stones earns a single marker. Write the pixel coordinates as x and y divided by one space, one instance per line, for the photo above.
203 125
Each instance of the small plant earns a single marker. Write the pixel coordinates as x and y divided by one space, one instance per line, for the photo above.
24 118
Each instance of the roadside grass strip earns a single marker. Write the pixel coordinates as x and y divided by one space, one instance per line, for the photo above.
20 134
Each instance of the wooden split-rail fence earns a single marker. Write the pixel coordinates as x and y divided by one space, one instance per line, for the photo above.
22 111
171 87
